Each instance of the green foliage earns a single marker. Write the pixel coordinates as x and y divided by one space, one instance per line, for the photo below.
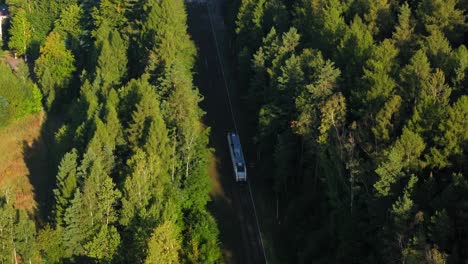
69 27
54 68
377 82
459 68
19 96
394 108
112 60
202 239
440 228
134 154
414 74
442 15
104 244
453 140
403 207
50 244
164 244
402 156
17 231
333 115
403 36
438 49
91 214
67 183
354 49
166 33
21 32
378 17
385 119
322 23
111 12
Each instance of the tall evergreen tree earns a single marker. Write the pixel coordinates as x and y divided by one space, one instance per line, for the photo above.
67 183
54 67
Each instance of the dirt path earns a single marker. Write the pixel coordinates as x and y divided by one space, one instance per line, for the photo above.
231 206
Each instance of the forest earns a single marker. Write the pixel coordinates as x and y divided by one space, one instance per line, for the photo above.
360 112
126 148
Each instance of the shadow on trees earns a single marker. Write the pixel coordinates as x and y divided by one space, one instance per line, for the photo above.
42 159
39 163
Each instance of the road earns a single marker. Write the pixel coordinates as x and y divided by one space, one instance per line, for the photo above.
232 204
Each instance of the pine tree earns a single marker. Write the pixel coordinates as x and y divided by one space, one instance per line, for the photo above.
454 129
444 16
438 50
403 36
104 245
54 67
413 75
322 24
353 51
430 108
378 17
111 12
387 118
67 183
403 156
77 226
68 25
441 228
112 61
459 67
248 28
165 31
323 83
92 213
377 82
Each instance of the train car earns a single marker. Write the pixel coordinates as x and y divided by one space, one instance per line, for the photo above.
237 157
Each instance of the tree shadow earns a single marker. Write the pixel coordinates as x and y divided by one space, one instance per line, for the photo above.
42 169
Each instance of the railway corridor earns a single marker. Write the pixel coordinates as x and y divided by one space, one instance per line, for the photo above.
232 204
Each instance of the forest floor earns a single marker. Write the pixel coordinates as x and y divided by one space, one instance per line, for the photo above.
15 170
231 205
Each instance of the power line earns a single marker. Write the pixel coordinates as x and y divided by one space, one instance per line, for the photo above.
222 69
235 126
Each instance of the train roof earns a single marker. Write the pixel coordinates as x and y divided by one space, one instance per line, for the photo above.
3 10
237 148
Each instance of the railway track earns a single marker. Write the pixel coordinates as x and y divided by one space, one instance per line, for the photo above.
240 232
251 233
247 212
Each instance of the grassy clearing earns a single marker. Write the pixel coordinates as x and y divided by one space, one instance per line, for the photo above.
217 191
14 172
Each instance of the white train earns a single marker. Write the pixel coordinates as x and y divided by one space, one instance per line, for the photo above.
237 157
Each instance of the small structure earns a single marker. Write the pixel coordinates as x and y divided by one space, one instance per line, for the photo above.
3 16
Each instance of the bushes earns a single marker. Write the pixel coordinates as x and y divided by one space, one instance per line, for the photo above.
19 96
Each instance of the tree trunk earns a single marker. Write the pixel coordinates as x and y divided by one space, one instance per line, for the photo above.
189 147
14 256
